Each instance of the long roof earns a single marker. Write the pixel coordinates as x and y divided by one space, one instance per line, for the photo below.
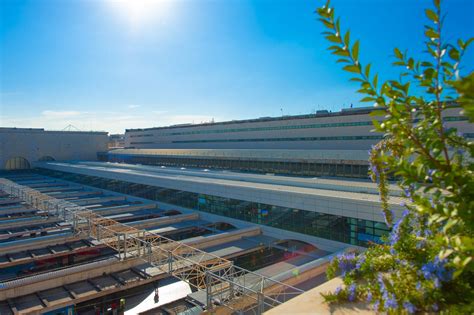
252 154
318 114
332 188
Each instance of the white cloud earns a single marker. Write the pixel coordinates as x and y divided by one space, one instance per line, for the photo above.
159 112
187 119
132 106
60 114
113 122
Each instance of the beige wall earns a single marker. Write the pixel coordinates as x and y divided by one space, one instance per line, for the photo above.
33 144
169 138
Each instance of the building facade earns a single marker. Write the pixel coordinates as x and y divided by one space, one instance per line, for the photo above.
116 141
20 148
349 129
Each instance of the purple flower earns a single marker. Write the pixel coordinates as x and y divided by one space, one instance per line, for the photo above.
418 286
369 297
346 262
435 307
360 262
437 271
430 174
390 301
338 290
407 192
410 308
376 306
374 170
395 234
381 282
352 292
428 270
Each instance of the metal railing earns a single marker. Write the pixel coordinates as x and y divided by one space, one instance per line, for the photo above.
224 283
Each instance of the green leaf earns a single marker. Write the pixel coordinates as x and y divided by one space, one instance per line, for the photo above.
376 113
352 68
326 23
454 54
367 99
355 50
341 52
347 38
468 42
333 38
367 70
375 81
431 15
430 33
398 53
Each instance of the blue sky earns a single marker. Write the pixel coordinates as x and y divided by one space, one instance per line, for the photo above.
102 65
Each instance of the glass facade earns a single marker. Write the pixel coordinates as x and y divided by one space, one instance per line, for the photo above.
300 168
338 228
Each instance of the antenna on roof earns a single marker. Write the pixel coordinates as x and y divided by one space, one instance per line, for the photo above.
70 128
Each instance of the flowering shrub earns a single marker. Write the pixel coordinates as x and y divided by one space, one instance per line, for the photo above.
425 264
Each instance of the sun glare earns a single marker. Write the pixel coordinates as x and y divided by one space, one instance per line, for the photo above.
140 12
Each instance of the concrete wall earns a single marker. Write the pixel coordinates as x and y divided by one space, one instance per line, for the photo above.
34 144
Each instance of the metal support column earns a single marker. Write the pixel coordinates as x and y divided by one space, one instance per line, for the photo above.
170 262
124 245
89 224
208 292
260 303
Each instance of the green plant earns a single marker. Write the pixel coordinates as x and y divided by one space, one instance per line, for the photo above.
426 263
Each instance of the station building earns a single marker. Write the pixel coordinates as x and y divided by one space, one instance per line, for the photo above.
321 144
349 129
21 147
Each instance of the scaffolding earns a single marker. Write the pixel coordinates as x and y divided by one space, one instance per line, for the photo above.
223 283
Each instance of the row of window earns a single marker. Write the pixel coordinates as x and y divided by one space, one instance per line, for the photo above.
338 228
308 126
284 139
289 127
142 135
277 167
